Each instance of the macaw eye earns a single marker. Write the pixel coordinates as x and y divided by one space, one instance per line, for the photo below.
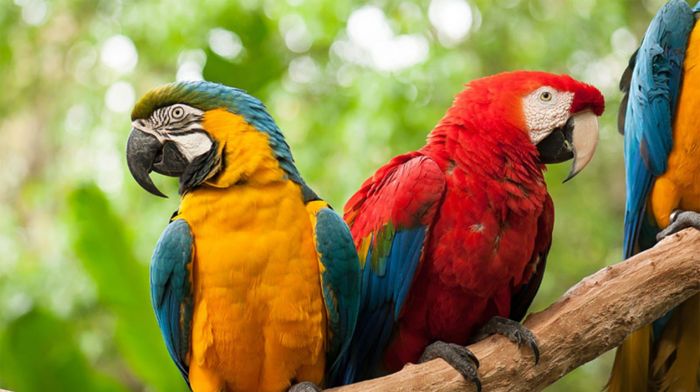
177 113
545 96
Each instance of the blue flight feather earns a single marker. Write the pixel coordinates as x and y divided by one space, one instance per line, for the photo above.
341 287
653 94
385 287
171 290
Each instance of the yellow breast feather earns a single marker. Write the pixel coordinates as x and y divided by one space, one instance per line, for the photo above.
259 318
679 186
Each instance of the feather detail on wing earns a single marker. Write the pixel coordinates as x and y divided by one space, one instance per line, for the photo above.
523 296
340 281
652 94
389 218
171 290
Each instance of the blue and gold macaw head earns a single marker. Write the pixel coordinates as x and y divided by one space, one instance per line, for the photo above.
204 132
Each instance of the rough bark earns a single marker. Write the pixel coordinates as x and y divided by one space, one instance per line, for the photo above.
591 318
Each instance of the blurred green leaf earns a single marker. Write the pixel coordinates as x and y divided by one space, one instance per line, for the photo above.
101 244
40 353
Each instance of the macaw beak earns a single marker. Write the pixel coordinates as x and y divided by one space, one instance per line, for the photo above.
145 153
577 139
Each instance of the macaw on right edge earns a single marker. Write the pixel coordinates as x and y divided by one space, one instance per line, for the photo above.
660 120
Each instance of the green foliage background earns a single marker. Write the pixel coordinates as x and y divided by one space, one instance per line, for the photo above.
76 232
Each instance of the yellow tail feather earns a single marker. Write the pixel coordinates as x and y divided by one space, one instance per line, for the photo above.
630 371
672 366
676 366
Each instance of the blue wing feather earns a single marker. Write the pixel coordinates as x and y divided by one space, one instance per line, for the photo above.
408 246
171 291
389 218
653 94
384 290
652 86
341 286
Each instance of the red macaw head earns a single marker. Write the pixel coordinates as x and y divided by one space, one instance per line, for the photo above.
557 112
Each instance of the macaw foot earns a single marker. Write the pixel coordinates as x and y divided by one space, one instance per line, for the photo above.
680 220
459 357
304 387
511 329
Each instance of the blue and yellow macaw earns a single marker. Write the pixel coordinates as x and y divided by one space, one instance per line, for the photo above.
255 282
660 121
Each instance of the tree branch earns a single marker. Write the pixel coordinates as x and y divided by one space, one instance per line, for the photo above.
591 318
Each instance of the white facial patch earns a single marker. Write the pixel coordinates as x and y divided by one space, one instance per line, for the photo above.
180 124
546 109
192 145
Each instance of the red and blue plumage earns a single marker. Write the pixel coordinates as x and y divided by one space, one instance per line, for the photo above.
458 231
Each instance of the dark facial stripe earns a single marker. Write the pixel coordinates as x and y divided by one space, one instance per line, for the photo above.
163 119
178 132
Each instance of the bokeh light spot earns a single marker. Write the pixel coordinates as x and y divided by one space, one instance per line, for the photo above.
623 41
225 43
451 18
120 97
373 43
191 65
34 12
119 54
296 34
303 70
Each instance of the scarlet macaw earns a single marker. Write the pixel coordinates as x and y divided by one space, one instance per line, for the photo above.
255 282
659 120
456 234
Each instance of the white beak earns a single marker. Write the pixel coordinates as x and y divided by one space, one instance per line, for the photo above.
584 140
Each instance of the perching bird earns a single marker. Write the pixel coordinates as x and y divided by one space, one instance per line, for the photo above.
456 234
255 282
659 119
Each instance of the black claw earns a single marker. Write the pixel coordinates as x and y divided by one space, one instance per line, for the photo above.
514 331
305 386
680 220
535 350
459 357
470 355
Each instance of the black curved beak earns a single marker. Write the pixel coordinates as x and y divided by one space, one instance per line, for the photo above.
577 139
144 154
557 147
142 150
